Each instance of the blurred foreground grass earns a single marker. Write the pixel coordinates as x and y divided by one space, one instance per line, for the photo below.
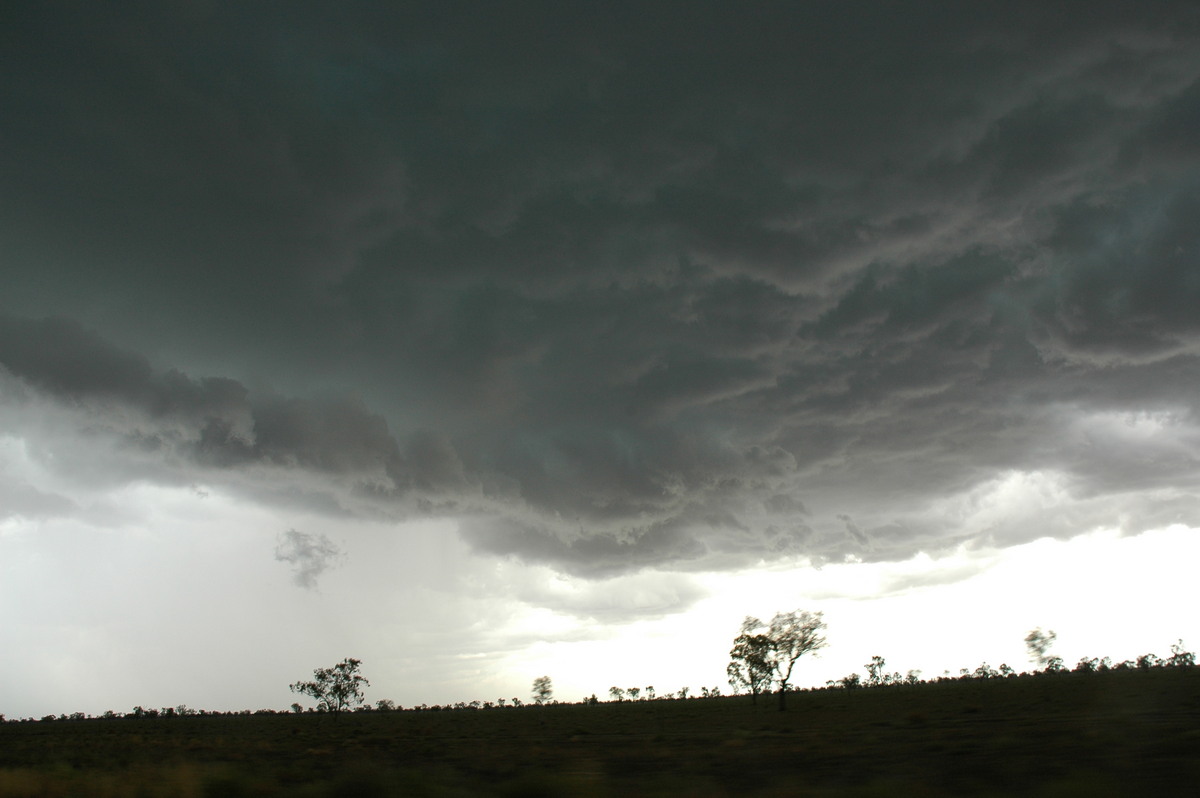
1069 734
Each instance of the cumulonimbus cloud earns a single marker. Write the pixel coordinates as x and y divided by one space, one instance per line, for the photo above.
660 294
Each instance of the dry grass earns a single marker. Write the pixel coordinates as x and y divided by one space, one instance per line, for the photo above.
1062 735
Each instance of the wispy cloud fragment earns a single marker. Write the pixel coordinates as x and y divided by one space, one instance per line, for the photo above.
310 556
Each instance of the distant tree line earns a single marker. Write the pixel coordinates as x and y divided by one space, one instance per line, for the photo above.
762 660
1038 644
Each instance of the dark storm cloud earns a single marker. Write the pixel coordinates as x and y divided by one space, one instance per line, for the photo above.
208 422
667 285
67 361
1132 286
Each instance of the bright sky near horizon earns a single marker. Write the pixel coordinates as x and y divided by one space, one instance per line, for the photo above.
485 342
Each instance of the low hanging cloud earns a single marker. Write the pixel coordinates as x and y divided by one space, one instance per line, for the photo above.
309 555
682 294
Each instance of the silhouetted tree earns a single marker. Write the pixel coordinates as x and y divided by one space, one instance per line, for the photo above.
542 689
875 670
650 692
985 671
335 689
1180 656
790 635
617 693
748 666
633 693
1038 643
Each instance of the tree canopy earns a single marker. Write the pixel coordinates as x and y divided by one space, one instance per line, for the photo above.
336 688
766 653
748 666
543 689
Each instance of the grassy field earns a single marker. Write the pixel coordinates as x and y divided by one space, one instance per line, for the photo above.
1074 734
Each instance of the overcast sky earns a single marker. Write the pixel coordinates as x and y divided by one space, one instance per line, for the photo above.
480 341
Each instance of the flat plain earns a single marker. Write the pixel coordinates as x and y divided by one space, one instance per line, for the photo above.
1109 733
